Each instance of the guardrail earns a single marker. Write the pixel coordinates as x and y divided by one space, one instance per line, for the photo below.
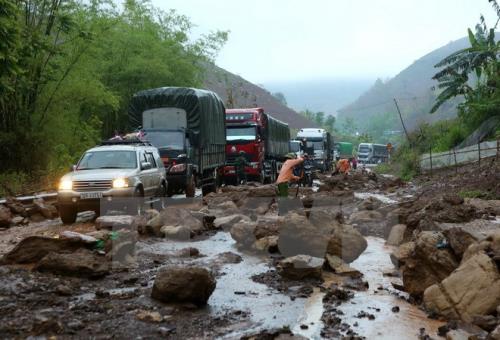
23 199
453 158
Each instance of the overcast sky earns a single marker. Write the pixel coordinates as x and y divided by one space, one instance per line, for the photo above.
282 40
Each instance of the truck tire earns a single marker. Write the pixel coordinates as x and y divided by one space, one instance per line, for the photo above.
190 187
67 214
262 177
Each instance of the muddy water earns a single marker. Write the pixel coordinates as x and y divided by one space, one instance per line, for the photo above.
387 324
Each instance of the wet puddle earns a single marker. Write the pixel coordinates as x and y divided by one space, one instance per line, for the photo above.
382 198
405 324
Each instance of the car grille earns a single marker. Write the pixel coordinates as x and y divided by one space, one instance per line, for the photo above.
98 185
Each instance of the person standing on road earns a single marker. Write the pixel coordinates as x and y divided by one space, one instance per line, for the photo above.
286 174
239 165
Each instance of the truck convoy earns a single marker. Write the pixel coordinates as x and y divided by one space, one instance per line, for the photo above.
188 128
317 143
262 138
369 153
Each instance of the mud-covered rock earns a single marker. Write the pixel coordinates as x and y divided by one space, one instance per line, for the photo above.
34 248
116 222
397 234
459 240
491 207
176 232
371 203
300 267
83 263
5 216
243 233
226 222
402 253
192 285
268 226
47 210
267 243
341 268
268 190
366 216
15 207
72 235
473 289
346 243
428 264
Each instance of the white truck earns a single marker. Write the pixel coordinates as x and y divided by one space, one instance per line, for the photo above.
370 153
318 144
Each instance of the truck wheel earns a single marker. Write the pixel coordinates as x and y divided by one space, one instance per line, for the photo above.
262 177
190 187
67 214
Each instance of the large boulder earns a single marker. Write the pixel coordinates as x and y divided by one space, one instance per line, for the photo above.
486 206
429 263
402 253
268 226
227 222
243 233
33 248
301 266
80 263
5 216
176 232
397 234
346 243
371 203
472 289
459 240
297 235
192 285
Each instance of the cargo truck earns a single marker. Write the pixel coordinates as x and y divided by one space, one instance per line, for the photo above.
263 140
369 153
318 144
343 150
187 126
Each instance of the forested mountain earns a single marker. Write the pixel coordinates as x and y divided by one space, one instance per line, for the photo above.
414 90
238 92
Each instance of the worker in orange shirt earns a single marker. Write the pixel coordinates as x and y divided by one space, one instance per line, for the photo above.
344 166
286 174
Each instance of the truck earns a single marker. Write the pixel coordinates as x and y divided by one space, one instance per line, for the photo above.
370 153
187 125
343 150
263 139
318 144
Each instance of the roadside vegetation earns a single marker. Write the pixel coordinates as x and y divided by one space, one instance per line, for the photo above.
471 74
69 69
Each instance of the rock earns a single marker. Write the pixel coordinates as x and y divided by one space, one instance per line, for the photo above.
486 322
117 222
366 216
396 236
453 199
64 290
17 220
226 222
15 207
71 235
47 210
371 203
428 264
495 335
5 216
458 334
459 240
487 206
81 263
342 268
268 190
149 316
36 217
174 216
399 256
193 285
229 257
243 233
176 233
299 236
472 289
267 227
267 243
34 248
300 267
188 252
395 309
100 234
346 243
121 247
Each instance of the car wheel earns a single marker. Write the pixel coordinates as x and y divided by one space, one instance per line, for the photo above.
67 214
190 187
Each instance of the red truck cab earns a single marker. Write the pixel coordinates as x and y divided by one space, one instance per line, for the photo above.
263 139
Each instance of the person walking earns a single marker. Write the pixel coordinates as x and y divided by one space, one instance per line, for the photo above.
240 164
286 174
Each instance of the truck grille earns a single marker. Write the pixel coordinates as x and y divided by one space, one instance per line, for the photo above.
97 185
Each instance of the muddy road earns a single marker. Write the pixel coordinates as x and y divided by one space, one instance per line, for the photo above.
97 290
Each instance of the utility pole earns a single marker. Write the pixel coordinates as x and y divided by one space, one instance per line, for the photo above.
402 122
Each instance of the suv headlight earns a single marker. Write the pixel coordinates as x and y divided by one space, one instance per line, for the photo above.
119 183
178 168
65 184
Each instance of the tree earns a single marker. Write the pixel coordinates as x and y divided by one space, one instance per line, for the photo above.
330 123
281 97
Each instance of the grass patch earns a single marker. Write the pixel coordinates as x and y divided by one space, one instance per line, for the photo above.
476 194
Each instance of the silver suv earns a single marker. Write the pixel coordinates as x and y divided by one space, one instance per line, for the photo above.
112 171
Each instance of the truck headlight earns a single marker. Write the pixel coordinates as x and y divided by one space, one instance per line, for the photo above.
65 184
178 168
119 183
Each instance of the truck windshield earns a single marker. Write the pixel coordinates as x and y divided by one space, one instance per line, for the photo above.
240 133
294 146
364 149
166 140
315 145
108 160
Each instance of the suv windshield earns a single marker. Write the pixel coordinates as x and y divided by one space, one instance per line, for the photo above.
171 140
108 160
240 133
